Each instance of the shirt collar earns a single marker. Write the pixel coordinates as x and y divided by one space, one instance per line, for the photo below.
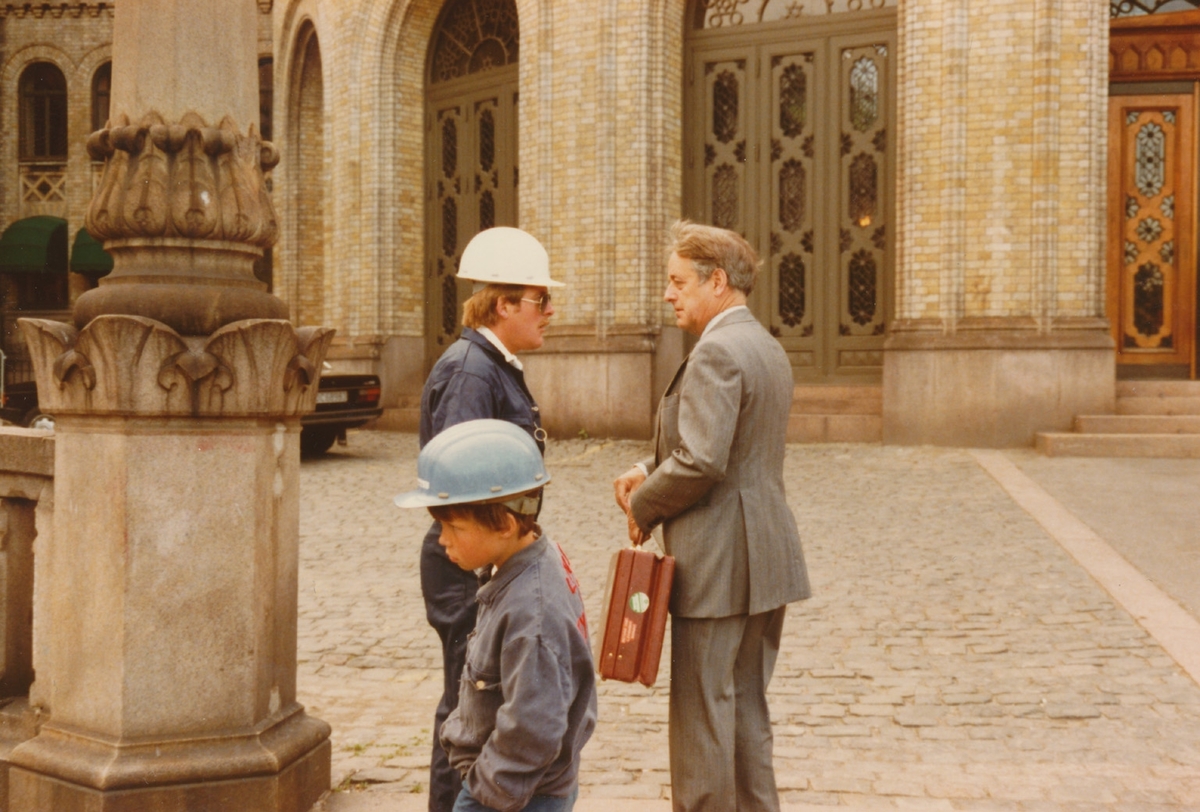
717 318
487 333
514 566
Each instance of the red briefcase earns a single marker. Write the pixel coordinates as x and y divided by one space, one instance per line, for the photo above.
635 616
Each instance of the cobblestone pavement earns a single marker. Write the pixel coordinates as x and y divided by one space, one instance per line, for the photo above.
953 656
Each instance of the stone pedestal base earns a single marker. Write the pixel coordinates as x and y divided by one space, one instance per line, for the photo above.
296 787
994 388
168 664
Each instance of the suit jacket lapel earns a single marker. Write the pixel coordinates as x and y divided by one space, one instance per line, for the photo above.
658 417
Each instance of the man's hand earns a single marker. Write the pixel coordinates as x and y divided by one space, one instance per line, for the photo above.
635 533
625 485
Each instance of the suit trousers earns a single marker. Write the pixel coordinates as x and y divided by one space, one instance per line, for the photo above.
450 607
720 727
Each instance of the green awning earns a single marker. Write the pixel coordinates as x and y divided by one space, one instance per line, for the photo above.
88 257
34 245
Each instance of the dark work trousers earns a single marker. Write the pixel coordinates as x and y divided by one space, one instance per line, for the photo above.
449 593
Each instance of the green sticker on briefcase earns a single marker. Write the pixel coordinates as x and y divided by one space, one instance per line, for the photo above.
639 602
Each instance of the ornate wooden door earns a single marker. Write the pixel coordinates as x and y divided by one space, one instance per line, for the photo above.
1152 229
787 143
471 143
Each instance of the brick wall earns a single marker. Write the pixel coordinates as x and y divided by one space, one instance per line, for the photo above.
1001 159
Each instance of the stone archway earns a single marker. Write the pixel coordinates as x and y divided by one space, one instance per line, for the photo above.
471 147
310 178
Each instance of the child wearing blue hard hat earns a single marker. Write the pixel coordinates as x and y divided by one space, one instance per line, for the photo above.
527 700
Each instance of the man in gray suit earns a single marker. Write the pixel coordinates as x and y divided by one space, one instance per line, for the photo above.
715 484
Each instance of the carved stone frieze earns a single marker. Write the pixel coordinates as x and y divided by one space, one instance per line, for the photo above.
136 366
184 180
56 10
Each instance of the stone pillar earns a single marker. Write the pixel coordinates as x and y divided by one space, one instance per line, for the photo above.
170 588
999 328
26 497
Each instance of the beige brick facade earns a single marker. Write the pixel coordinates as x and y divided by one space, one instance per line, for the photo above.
1002 128
1000 192
77 39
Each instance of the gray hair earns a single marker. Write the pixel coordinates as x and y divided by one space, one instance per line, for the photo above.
709 248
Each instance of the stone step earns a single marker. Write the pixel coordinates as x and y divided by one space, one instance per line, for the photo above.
1071 444
837 400
829 413
1137 424
1159 405
1158 389
1158 397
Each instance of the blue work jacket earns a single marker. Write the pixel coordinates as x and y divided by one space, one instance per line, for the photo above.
472 381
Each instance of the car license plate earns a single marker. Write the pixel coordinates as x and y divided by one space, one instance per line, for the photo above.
333 397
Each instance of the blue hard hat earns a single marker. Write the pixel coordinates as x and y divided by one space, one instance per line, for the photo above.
477 461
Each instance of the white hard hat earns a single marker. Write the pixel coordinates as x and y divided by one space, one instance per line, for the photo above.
506 256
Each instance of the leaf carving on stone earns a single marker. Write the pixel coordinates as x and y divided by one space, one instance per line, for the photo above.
194 201
145 208
313 342
299 370
185 179
195 366
239 193
74 361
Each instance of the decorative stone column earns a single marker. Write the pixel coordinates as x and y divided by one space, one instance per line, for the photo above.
999 329
168 679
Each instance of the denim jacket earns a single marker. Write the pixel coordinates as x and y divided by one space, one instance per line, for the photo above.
527 701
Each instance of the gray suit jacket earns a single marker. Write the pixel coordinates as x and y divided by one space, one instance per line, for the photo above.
716 479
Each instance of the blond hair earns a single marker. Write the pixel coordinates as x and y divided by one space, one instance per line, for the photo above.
480 309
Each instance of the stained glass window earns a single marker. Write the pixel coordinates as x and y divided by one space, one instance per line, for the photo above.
449 147
725 197
725 107
474 36
791 195
791 290
1151 143
863 284
487 141
793 100
864 192
864 94
1148 299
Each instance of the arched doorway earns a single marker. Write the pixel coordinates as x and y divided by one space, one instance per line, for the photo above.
471 147
789 139
311 177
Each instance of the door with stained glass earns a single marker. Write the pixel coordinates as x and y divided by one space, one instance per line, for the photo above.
787 143
1152 229
471 149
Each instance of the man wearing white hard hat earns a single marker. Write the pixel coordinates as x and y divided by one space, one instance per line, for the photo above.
479 376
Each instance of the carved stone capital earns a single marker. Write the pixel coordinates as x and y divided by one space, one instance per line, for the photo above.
183 180
136 366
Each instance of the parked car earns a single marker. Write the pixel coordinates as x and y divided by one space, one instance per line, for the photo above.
343 402
19 403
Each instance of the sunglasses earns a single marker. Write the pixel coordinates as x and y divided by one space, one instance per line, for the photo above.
542 303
